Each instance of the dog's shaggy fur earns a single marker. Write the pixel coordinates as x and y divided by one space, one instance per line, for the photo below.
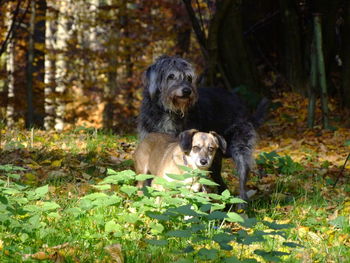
172 104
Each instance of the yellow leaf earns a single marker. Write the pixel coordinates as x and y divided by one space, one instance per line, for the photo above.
1 244
56 163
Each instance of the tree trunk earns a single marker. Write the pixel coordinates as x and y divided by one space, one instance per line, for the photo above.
293 49
49 121
61 64
111 88
10 68
30 68
234 54
321 70
39 64
346 56
183 31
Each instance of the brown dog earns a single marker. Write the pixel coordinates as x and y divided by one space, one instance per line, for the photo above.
161 154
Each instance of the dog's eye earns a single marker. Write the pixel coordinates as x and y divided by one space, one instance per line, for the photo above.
211 149
196 149
171 76
189 79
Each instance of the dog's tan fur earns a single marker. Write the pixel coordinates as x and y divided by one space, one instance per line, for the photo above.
161 154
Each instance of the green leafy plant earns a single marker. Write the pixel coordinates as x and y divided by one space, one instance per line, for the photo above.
273 162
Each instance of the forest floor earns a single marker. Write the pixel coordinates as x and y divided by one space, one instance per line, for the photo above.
295 177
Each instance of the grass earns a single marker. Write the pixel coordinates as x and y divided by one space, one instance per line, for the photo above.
68 222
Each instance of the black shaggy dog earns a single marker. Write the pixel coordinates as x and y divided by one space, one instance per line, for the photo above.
172 104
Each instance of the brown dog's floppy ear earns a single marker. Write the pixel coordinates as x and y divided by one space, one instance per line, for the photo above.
221 141
185 140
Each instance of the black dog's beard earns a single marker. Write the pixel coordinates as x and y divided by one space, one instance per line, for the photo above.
178 105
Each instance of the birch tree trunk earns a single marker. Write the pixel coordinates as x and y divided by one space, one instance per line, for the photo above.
62 37
10 68
49 121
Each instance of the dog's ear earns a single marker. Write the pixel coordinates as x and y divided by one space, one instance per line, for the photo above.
150 80
221 141
185 140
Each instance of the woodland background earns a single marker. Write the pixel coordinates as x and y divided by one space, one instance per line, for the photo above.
80 63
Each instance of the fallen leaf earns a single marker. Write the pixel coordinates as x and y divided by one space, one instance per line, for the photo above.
115 251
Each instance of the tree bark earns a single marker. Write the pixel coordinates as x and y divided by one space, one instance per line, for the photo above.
234 53
62 37
30 68
50 69
110 89
321 70
346 56
293 57
10 68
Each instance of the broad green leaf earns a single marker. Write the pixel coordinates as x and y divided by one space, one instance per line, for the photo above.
208 254
291 244
178 177
47 206
74 211
95 196
157 242
223 238
42 191
197 227
131 218
207 182
32 208
234 217
217 215
276 226
10 191
143 177
226 194
129 189
249 222
117 177
185 210
14 176
157 216
188 249
112 226
205 208
185 168
271 255
235 200
232 259
156 228
179 233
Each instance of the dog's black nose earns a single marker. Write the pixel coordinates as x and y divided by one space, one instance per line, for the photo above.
203 161
186 91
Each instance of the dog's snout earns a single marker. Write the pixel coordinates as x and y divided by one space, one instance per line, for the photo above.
186 91
203 161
